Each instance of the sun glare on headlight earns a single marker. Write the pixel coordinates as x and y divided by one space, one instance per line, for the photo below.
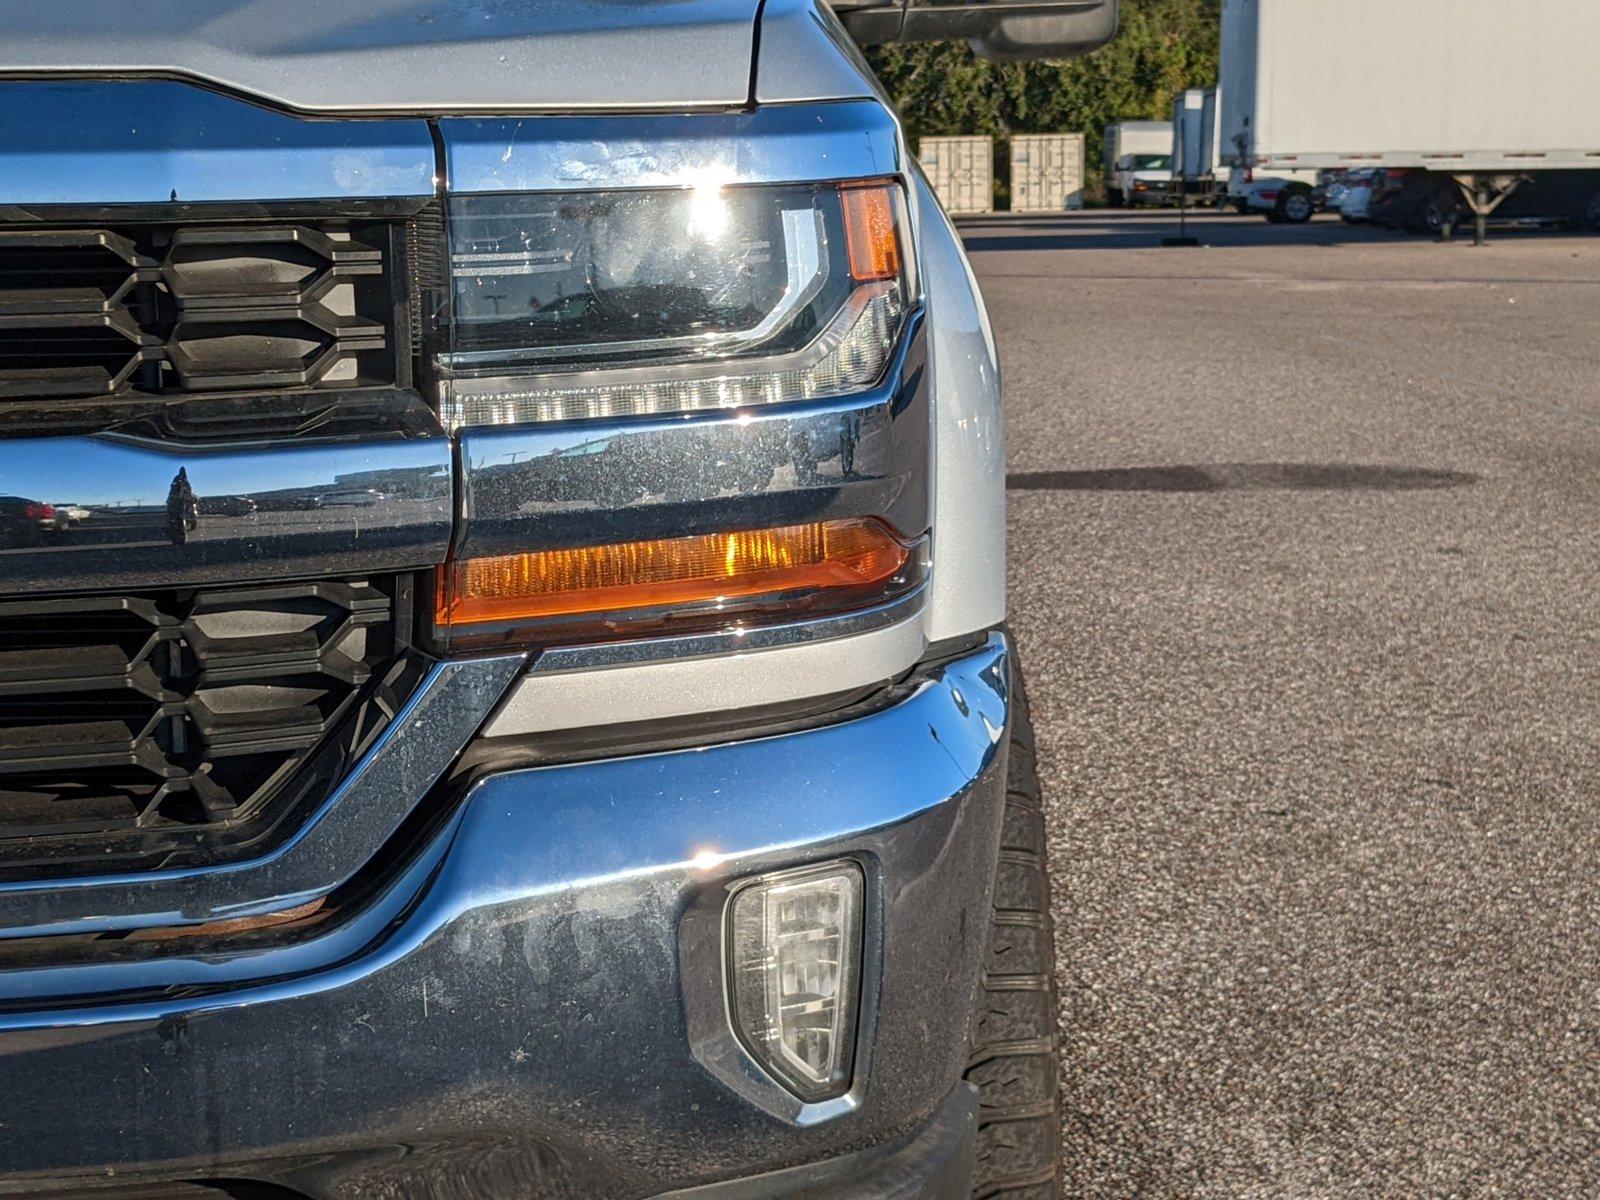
708 210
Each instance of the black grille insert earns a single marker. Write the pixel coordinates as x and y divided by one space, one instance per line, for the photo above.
161 309
185 727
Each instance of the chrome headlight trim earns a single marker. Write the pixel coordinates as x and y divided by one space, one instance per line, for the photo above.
778 143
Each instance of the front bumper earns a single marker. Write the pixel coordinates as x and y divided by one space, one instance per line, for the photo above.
1155 194
546 1019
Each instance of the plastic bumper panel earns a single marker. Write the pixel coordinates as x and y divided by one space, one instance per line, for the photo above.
540 1024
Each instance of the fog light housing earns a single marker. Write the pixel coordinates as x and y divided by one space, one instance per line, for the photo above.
794 974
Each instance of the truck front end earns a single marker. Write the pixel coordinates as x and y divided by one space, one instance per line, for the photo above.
515 704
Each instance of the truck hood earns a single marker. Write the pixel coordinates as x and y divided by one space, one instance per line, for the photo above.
403 56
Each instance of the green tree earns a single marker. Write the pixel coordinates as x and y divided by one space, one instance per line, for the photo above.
1163 47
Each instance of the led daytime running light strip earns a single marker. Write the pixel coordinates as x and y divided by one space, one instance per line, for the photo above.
851 354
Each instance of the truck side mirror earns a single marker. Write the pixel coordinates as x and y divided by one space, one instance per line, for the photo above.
1007 30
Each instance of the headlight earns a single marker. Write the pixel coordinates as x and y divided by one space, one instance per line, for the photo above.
593 305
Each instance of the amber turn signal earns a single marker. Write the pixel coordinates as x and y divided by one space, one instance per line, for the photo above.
637 588
869 229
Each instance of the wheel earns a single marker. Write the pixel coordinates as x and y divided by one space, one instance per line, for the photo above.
1016 1051
1439 210
1296 206
1274 216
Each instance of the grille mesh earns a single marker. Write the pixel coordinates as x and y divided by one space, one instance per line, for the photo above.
154 727
158 309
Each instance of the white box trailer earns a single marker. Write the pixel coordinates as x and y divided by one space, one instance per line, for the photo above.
1046 172
961 170
1188 134
1482 91
1475 85
1196 150
1212 122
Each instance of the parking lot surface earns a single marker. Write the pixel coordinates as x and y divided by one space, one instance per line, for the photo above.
1305 566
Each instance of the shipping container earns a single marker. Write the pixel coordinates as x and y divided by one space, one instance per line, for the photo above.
1047 172
961 170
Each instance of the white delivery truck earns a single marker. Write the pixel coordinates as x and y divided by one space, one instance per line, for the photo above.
1475 105
1139 163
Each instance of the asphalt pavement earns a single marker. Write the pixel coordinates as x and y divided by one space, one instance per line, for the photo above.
1305 546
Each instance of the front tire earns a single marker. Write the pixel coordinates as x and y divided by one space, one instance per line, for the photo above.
1015 1058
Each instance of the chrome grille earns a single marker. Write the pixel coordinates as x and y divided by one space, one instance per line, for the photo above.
150 729
163 308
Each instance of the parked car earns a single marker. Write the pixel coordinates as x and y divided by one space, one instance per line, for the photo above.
349 498
1355 196
1429 202
585 780
1330 189
227 506
25 522
1281 199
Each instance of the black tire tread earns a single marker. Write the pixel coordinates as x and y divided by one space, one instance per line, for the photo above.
1015 1050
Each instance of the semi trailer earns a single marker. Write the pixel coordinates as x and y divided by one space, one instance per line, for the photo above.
1196 149
1464 100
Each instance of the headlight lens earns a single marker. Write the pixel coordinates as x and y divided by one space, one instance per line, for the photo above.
590 305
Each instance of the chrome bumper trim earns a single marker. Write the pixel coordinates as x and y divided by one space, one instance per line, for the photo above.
137 514
676 649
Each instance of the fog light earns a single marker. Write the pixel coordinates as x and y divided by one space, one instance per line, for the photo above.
795 973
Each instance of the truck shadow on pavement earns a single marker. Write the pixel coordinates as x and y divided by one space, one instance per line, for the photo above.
1252 477
1120 230
1128 231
